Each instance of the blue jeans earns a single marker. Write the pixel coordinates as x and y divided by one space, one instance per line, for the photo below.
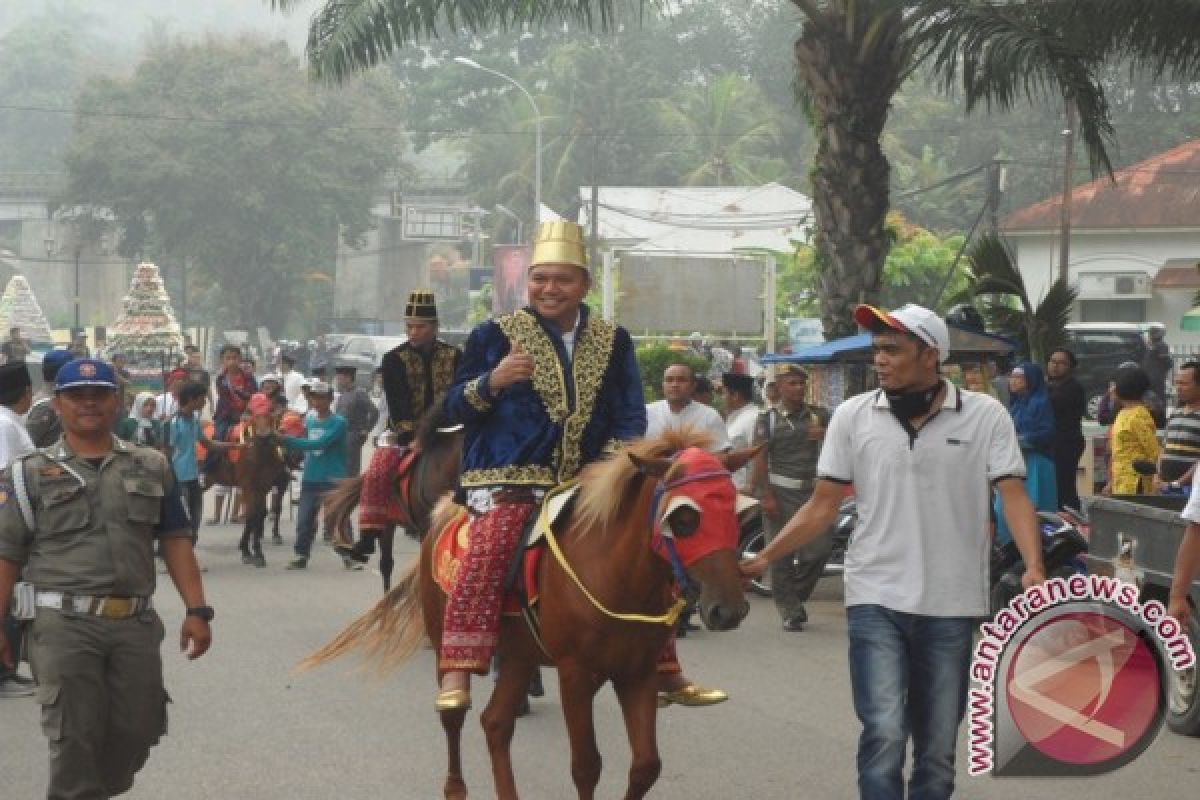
909 675
311 495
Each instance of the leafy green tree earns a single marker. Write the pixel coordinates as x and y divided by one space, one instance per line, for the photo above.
221 156
920 267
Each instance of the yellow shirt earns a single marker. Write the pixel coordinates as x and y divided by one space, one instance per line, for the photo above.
1133 438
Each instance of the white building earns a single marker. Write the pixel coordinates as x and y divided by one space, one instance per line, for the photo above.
1135 243
699 219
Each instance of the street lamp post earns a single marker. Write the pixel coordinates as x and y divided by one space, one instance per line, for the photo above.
78 248
537 121
508 212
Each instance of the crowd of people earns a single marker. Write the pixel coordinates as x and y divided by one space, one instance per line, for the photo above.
87 454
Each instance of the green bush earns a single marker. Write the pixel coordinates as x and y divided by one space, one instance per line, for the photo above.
653 360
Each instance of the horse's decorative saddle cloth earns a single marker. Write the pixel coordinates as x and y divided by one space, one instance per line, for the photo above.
521 586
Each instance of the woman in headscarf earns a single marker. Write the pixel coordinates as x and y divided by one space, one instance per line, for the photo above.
1033 417
140 427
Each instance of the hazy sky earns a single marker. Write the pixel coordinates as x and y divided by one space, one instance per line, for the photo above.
127 21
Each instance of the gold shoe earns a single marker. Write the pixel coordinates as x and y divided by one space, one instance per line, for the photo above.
452 700
692 695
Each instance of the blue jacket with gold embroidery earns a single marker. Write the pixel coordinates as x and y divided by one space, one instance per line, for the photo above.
540 432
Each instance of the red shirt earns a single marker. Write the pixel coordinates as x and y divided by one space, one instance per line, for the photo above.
233 392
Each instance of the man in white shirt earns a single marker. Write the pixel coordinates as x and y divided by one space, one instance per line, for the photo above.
923 457
678 410
16 396
740 416
293 384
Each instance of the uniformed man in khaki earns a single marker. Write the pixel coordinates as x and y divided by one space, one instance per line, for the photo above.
782 477
81 517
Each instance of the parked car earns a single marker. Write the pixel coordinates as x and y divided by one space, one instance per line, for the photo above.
1101 347
364 353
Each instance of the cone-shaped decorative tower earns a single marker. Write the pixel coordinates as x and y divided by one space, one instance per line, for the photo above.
146 332
20 309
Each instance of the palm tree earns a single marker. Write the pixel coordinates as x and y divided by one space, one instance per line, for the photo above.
851 58
1038 327
725 134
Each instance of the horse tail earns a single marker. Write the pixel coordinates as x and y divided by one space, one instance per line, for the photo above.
387 635
340 503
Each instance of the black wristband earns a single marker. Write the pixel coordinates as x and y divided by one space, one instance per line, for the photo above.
205 613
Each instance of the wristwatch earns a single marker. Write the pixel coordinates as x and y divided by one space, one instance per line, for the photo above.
205 613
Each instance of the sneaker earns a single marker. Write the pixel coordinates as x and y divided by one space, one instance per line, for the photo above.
13 688
299 562
351 564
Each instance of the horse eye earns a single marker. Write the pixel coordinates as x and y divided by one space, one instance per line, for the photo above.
684 521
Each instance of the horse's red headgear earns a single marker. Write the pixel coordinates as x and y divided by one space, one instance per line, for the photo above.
705 486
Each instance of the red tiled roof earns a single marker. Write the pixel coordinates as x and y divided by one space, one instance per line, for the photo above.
1178 273
1160 192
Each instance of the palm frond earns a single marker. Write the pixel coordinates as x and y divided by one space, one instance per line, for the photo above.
1157 37
1004 53
348 36
995 270
1049 320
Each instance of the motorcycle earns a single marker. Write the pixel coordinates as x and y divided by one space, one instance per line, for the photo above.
1064 544
753 539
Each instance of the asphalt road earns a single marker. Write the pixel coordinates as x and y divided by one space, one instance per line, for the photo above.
244 726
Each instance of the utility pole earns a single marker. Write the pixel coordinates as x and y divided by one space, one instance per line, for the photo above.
997 175
1064 245
594 209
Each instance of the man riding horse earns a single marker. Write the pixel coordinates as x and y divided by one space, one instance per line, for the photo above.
416 377
542 392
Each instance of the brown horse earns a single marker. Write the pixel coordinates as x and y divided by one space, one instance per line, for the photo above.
257 470
607 606
434 471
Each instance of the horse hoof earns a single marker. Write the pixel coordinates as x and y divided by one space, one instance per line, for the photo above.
247 558
260 561
276 538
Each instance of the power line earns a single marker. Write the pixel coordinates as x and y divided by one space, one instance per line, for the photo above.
452 133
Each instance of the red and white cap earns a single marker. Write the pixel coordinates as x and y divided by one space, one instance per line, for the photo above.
917 320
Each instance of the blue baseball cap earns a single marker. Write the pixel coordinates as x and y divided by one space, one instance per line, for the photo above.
57 358
85 372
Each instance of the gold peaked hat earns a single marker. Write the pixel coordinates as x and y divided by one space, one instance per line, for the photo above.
421 307
559 242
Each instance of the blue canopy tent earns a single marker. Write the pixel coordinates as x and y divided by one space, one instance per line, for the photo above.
964 346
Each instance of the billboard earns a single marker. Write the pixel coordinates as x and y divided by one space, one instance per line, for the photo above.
665 293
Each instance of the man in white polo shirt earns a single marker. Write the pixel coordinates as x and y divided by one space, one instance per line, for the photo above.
923 457
677 409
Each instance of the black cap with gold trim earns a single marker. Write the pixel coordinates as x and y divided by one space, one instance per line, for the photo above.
421 307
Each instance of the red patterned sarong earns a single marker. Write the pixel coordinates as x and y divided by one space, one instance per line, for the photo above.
668 660
378 503
472 623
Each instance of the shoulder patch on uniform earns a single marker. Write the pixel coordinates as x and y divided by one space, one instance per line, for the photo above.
51 471
6 491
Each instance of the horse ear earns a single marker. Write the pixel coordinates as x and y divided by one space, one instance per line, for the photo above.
734 460
650 466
